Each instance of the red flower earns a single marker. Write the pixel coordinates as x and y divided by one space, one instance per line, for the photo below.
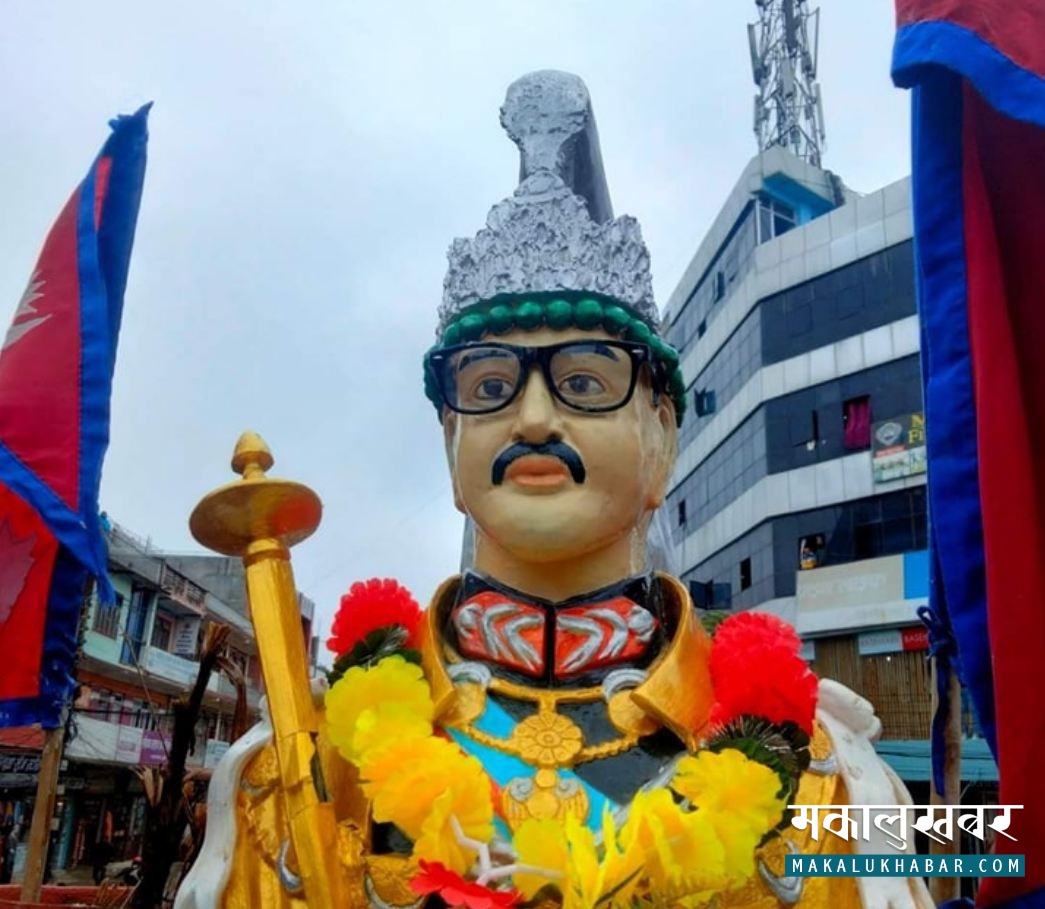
756 670
370 605
456 891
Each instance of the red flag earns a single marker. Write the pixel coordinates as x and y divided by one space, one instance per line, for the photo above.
56 368
977 68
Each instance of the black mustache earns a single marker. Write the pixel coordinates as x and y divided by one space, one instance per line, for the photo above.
559 450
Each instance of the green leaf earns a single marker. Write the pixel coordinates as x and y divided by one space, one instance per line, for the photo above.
378 644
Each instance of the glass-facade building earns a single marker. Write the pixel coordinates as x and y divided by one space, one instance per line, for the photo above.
800 483
797 326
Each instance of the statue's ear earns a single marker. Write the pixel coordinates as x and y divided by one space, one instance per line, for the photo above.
450 446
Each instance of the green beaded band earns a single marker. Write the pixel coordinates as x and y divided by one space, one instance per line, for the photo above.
559 313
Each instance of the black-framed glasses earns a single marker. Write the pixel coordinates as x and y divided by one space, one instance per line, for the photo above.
590 376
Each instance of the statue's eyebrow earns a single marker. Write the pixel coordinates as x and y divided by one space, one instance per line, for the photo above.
603 350
482 354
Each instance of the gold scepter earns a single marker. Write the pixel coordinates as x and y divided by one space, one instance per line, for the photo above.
259 519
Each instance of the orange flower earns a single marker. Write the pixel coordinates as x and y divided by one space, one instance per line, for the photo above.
419 785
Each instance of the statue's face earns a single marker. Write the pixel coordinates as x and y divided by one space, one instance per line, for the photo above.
539 509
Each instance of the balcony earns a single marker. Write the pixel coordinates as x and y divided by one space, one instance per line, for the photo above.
101 742
182 672
98 741
169 667
181 591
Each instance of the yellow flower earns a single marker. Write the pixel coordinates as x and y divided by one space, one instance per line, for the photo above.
680 849
418 785
466 802
620 867
369 707
729 783
540 843
566 851
582 883
737 796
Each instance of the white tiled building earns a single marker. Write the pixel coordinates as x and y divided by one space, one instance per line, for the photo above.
800 485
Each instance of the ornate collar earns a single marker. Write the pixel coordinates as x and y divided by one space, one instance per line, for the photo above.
677 689
614 627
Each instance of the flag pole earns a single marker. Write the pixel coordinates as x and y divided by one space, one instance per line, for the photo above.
943 889
43 812
47 782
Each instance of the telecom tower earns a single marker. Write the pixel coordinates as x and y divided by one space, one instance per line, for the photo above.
788 110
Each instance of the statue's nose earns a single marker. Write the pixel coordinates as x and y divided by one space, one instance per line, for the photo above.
537 415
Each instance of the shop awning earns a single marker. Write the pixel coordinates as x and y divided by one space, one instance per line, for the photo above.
910 760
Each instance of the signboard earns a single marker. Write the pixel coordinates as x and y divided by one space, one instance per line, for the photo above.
128 744
186 634
889 641
892 640
916 638
19 762
863 583
155 746
898 448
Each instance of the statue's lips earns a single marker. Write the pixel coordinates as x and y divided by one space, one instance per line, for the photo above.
537 471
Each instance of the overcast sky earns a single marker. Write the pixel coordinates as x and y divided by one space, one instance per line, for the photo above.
309 164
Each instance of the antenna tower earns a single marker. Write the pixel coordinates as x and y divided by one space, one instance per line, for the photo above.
788 110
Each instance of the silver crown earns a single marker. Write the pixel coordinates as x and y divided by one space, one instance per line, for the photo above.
557 232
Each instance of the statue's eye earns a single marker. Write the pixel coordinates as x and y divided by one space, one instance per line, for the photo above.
581 385
492 390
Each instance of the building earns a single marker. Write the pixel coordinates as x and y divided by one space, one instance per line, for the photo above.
800 485
137 656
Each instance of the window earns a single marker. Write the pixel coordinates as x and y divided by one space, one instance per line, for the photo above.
856 423
720 286
705 402
805 432
682 513
214 727
709 595
702 328
745 573
115 709
865 541
162 627
811 551
107 617
774 219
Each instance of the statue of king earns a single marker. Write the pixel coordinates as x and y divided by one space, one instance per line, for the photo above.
559 727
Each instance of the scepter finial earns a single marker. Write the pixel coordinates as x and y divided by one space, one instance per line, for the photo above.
251 457
256 507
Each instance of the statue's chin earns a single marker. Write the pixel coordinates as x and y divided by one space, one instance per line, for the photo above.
551 538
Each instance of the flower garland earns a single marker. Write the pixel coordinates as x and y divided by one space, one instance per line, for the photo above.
721 804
